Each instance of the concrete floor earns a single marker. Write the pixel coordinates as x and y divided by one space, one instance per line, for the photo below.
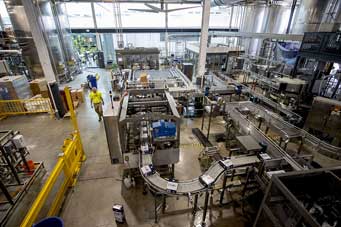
90 203
99 186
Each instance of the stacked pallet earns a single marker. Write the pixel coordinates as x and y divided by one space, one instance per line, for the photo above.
14 87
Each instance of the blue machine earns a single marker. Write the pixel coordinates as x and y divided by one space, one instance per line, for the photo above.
163 129
92 81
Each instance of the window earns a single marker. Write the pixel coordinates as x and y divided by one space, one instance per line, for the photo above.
4 15
104 15
187 18
80 15
132 18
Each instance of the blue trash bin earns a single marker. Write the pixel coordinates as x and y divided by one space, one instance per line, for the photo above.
92 81
50 222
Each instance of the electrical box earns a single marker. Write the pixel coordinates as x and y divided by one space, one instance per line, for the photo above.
18 141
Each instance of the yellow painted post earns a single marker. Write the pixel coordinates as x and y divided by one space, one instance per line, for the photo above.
69 162
42 196
74 119
71 109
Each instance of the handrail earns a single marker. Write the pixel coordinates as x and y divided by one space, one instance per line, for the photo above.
25 106
69 163
319 145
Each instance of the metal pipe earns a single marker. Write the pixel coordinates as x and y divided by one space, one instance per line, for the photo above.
293 6
10 51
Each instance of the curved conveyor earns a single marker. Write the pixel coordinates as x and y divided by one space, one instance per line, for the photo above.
212 175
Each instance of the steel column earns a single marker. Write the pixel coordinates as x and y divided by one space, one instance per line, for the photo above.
207 194
223 189
203 40
6 193
195 205
203 120
293 6
209 122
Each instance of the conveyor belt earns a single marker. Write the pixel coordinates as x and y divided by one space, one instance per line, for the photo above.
159 184
156 182
247 127
287 130
273 104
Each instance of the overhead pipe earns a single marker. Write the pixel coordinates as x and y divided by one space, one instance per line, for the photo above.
10 51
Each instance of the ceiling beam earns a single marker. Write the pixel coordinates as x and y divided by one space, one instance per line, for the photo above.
140 1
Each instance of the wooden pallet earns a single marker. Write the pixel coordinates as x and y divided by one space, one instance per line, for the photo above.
68 115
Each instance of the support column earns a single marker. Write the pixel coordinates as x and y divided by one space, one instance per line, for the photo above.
98 36
166 33
203 40
41 46
39 40
293 6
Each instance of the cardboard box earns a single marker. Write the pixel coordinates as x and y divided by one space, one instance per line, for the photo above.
39 86
45 94
80 95
14 87
74 95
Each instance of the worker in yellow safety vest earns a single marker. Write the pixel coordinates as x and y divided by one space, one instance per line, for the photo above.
96 101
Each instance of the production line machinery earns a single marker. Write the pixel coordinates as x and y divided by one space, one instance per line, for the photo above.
141 117
285 123
285 130
148 132
289 115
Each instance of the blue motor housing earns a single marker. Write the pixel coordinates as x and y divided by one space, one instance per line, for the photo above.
163 129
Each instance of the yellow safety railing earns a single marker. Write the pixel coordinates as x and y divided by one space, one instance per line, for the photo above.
25 106
69 163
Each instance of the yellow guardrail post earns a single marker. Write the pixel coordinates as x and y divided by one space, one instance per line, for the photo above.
73 117
69 163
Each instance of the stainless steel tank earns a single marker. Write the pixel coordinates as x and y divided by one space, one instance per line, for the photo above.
317 15
264 19
59 45
63 25
23 35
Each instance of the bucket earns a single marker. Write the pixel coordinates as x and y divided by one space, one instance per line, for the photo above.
50 222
